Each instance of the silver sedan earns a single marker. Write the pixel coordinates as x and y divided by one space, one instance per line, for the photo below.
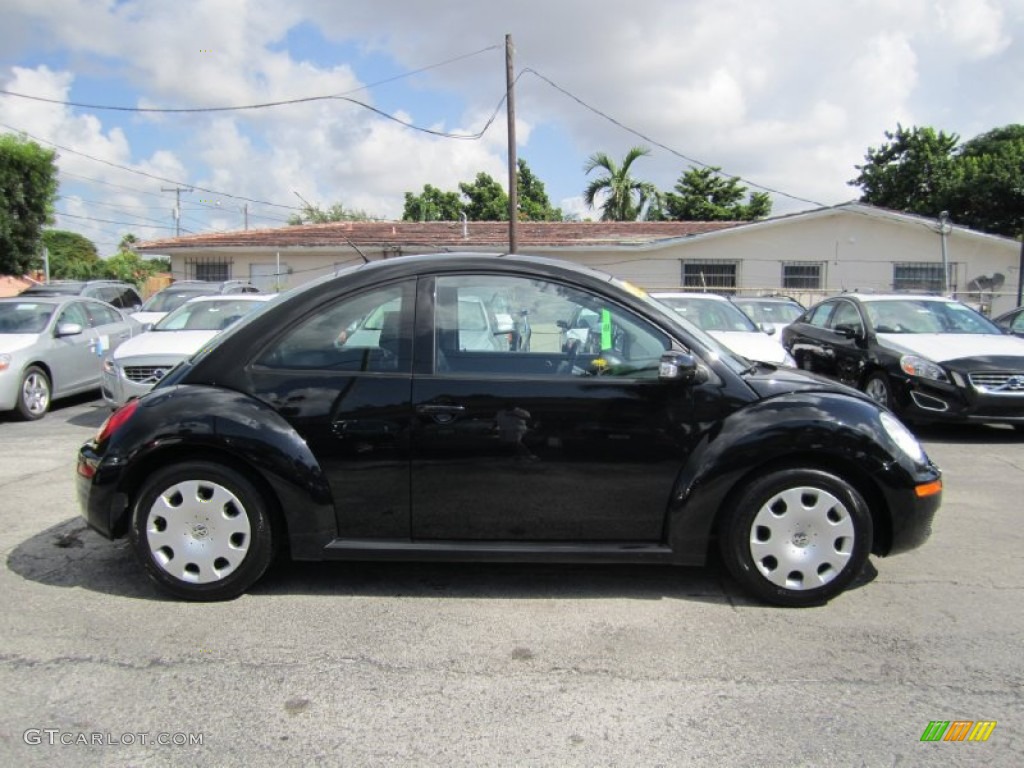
52 347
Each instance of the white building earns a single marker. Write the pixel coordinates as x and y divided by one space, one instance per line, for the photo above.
849 247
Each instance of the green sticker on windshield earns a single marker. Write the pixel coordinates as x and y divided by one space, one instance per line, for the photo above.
606 329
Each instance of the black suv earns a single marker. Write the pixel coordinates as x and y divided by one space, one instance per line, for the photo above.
121 295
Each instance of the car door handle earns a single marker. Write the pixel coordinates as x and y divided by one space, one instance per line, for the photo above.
442 414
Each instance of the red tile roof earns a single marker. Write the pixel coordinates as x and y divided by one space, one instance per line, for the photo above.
487 234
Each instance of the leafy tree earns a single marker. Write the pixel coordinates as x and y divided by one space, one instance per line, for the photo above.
913 171
72 256
28 188
314 214
988 193
128 242
130 267
624 198
980 183
534 204
486 199
703 194
432 205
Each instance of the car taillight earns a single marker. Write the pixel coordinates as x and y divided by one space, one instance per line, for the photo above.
116 419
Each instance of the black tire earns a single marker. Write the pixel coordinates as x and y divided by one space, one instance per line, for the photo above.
878 387
804 520
202 531
34 394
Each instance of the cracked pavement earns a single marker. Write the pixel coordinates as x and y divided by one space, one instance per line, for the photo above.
451 664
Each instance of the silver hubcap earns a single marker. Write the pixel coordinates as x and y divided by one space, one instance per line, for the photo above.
35 393
877 391
198 531
802 538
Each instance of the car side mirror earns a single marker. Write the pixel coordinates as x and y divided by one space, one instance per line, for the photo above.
679 366
68 329
769 329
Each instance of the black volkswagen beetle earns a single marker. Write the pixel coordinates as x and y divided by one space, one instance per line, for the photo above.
305 430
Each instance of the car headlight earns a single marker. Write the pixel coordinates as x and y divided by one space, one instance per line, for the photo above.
903 437
5 362
913 365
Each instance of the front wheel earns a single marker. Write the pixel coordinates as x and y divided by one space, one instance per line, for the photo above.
797 537
202 531
34 395
879 389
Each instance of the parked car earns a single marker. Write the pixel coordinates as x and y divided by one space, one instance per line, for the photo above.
53 347
1012 321
132 369
176 294
273 438
771 313
718 316
121 295
926 358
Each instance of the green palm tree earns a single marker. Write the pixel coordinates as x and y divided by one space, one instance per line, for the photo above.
625 197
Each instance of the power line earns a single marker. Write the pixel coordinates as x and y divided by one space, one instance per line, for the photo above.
265 105
656 143
108 221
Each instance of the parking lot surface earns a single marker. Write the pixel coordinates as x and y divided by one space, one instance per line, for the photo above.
454 664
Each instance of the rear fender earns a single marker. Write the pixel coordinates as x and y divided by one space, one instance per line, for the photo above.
192 422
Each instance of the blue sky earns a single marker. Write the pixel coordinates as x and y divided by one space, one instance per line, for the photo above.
788 95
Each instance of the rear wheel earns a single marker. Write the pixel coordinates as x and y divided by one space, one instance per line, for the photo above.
34 395
797 537
202 531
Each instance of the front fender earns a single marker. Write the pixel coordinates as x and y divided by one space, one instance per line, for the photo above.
189 422
842 433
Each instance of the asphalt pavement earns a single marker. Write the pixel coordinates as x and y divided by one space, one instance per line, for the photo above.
452 664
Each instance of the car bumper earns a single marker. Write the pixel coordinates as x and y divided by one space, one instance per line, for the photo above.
921 400
912 514
104 509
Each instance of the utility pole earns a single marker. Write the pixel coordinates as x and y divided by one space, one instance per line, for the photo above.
245 212
177 206
513 187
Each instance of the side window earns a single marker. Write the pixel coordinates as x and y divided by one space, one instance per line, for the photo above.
847 315
106 293
74 313
128 299
371 331
515 326
100 314
1018 322
818 316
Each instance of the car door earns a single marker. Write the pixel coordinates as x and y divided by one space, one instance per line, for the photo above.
549 444
808 340
846 349
112 329
341 377
74 365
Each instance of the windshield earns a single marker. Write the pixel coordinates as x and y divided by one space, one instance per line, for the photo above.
927 316
169 299
781 312
711 314
207 315
24 317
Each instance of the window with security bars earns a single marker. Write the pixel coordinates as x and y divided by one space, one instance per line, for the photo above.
214 270
920 276
718 276
801 275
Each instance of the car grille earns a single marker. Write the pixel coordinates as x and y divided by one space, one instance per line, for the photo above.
999 382
146 374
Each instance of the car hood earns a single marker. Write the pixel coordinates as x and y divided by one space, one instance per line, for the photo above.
12 342
182 343
942 347
769 381
148 318
753 346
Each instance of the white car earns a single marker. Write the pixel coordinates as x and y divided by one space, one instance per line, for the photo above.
134 367
720 318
